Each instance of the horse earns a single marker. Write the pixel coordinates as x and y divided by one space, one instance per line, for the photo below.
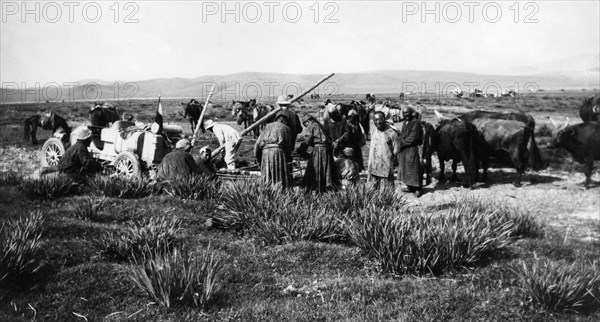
249 112
102 116
192 111
50 121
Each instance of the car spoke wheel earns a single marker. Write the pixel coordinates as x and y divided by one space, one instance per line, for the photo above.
127 164
52 151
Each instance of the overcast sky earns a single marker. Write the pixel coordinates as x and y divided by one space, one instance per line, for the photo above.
154 39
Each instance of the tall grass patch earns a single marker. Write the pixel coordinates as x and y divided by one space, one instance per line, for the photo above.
50 187
558 286
196 187
417 243
10 178
89 208
141 239
177 277
122 187
20 242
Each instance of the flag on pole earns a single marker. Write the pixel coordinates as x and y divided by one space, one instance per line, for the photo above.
157 126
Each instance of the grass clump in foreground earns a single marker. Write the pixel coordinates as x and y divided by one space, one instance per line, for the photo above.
20 242
141 239
10 178
415 243
178 278
558 286
122 187
50 187
89 208
196 187
275 215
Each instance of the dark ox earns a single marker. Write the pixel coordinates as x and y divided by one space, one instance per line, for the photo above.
457 140
590 109
103 116
583 142
504 139
192 111
535 160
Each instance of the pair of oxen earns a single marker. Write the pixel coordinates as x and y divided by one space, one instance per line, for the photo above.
475 137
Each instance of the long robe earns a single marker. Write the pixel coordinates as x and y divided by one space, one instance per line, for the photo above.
319 170
409 162
271 150
356 140
384 148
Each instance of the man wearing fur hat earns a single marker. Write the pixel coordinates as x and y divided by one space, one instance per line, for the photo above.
319 170
273 150
77 162
228 137
409 161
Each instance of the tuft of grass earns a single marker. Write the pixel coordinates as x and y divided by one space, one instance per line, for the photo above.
362 195
558 286
416 243
195 187
49 187
20 242
140 239
10 178
89 208
526 224
176 277
122 187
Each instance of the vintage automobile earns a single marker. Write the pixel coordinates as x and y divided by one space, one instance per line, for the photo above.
130 149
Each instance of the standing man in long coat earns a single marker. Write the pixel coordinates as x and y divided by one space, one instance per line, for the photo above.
272 149
409 163
384 150
356 138
319 170
337 128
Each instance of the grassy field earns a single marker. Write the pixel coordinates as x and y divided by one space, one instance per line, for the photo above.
495 253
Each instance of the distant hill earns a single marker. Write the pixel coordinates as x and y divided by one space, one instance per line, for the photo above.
268 85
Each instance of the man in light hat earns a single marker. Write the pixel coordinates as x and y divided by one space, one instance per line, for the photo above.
177 163
409 162
77 162
293 119
228 137
319 170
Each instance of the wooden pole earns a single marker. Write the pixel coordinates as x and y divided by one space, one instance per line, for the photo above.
195 134
273 112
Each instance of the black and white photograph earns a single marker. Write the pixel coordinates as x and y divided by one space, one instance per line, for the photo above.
303 160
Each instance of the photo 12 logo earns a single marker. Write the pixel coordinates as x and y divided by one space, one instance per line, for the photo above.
69 91
469 12
265 91
270 12
469 89
70 12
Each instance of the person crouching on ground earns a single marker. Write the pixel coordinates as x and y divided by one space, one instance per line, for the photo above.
319 170
202 157
177 163
77 162
228 137
383 153
271 150
345 169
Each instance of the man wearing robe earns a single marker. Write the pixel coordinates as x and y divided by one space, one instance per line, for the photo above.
272 149
384 150
319 170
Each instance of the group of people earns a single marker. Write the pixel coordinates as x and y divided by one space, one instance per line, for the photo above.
331 143
336 143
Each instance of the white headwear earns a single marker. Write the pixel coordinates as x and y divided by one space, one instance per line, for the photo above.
81 133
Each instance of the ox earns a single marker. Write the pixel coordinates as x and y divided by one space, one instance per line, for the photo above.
590 109
457 140
583 142
501 139
103 115
534 158
192 111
